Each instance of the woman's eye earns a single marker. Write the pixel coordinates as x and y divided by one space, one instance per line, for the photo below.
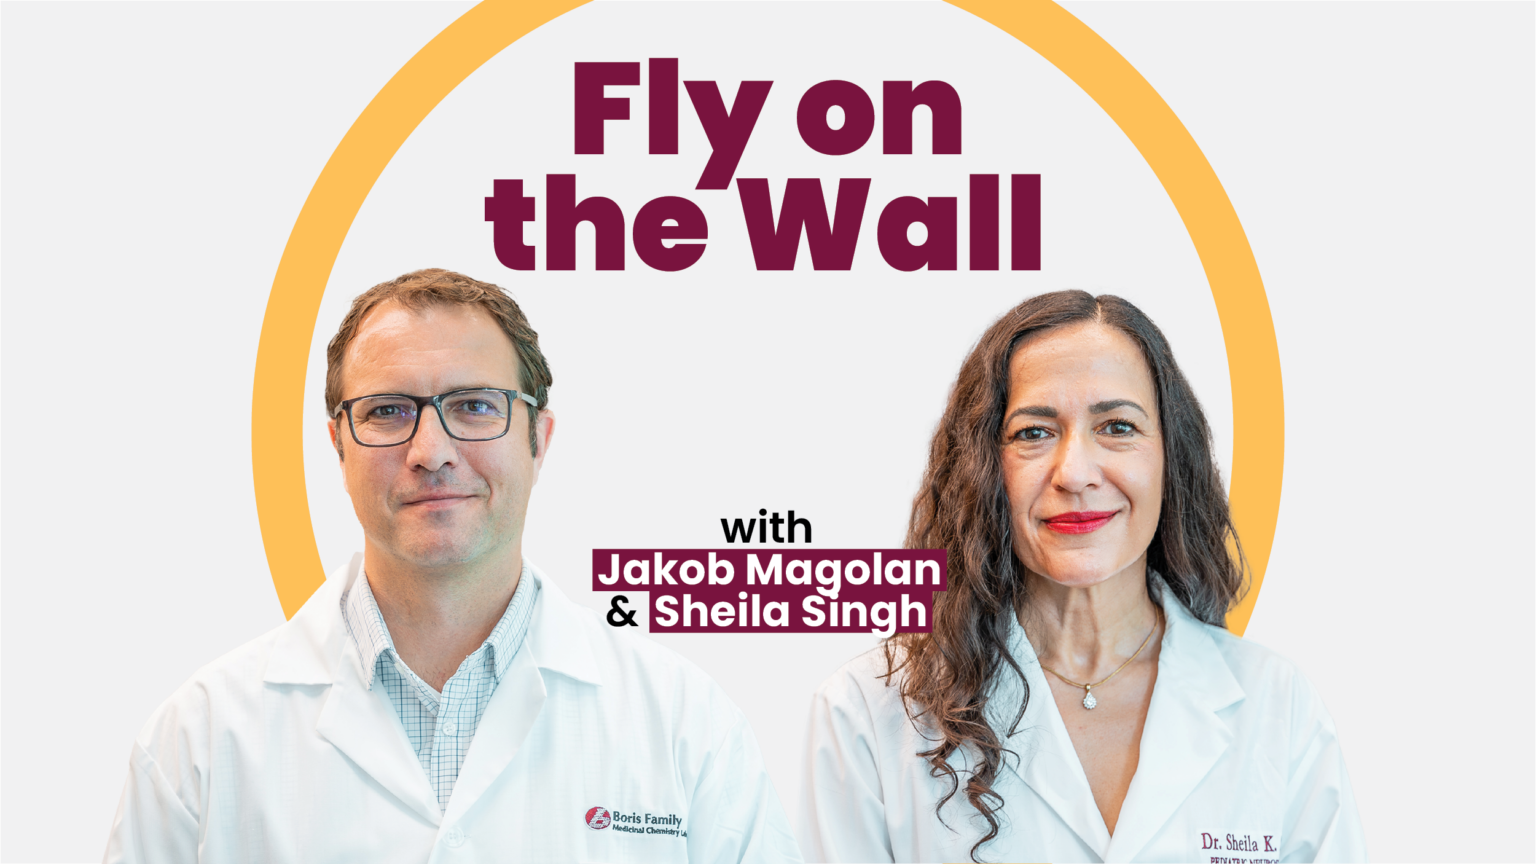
1119 427
1032 433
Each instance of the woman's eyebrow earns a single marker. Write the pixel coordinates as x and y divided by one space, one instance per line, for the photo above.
1112 404
1033 411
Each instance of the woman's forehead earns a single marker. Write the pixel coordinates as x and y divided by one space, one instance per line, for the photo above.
1082 363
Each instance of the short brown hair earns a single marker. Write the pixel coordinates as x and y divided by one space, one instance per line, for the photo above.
423 289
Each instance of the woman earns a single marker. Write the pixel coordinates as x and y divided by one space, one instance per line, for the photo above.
1079 698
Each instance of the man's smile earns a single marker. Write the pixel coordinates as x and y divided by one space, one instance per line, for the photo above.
439 500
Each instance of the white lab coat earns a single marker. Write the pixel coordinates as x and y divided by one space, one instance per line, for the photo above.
279 753
1239 762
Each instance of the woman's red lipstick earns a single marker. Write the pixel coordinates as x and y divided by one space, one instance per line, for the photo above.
1081 522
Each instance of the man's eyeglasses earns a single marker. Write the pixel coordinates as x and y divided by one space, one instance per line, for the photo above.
390 419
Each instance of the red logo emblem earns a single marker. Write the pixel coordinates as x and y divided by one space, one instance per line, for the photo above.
598 819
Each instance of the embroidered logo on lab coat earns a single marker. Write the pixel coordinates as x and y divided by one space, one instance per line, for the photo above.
598 819
1269 846
637 822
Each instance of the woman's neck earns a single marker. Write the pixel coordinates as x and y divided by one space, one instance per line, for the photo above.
1086 632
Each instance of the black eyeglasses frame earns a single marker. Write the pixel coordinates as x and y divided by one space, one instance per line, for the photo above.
436 402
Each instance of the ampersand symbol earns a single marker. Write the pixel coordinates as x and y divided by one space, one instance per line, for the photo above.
617 616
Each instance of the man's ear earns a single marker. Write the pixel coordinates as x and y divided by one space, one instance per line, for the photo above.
544 429
330 426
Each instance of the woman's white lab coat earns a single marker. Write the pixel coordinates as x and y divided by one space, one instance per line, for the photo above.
596 746
1239 763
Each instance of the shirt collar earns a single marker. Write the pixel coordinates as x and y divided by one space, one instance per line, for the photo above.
508 634
365 626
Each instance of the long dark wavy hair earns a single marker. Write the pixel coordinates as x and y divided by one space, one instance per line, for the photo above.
962 507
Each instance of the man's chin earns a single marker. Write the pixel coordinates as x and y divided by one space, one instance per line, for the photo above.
440 552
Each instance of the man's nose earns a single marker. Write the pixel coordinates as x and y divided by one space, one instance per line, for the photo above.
432 448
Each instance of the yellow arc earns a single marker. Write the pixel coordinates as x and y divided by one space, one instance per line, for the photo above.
277 458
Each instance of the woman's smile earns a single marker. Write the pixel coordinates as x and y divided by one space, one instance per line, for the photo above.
1080 522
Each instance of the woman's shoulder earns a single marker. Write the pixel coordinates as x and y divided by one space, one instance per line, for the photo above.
867 675
1266 677
1248 659
865 691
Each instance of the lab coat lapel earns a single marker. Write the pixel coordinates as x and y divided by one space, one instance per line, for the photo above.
554 644
503 730
313 649
559 635
308 646
1046 760
1184 735
364 726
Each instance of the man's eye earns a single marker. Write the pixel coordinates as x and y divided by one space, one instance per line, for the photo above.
386 412
475 406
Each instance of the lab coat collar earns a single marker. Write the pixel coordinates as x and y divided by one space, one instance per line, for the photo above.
1185 734
560 637
313 649
309 646
1043 756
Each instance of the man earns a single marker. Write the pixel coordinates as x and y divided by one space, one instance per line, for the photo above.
439 699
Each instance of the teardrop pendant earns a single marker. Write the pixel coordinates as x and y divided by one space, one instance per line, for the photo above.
1089 701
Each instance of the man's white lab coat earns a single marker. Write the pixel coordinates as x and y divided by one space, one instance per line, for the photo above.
1239 763
598 745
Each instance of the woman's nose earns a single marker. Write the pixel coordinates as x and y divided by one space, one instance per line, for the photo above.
1076 468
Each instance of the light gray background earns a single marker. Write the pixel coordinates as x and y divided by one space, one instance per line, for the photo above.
1379 155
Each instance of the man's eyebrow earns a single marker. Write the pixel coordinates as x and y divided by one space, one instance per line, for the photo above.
1112 404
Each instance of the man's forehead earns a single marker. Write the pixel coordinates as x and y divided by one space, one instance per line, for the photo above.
452 338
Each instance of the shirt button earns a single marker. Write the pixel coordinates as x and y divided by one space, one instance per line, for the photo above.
455 837
450 728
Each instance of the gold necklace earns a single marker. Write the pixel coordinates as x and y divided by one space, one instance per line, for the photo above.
1089 700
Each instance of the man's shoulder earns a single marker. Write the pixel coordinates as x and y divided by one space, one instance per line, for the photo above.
228 685
623 648
232 686
621 661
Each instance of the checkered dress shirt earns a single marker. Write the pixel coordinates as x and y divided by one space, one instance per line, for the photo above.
440 725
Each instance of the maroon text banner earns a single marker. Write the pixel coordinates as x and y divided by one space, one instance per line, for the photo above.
882 591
